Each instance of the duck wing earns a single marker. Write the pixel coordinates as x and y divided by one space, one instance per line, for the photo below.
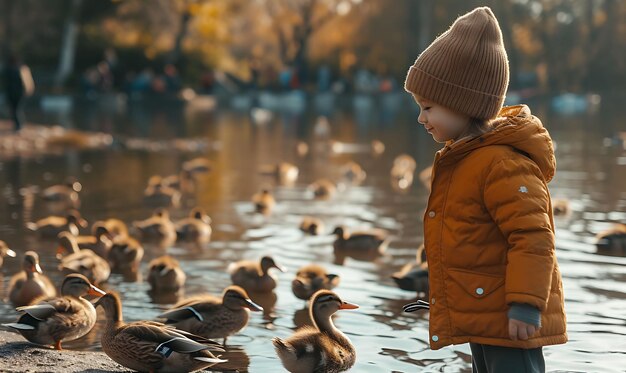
192 308
164 339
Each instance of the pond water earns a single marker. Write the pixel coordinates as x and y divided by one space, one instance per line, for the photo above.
591 175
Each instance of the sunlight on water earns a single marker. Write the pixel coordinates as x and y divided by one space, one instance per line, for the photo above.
385 338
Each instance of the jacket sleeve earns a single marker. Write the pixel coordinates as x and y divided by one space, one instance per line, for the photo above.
518 200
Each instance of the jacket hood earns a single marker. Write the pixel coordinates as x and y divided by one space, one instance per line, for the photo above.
515 126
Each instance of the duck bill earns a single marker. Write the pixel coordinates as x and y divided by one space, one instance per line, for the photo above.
37 268
253 306
280 268
348 306
10 253
96 292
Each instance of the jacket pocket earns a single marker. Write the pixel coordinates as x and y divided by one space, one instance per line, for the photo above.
470 291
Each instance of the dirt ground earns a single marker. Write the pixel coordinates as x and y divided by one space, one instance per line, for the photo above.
18 355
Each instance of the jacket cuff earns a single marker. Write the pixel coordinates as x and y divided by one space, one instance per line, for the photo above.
525 313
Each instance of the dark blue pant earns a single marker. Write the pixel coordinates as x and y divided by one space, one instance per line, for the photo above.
15 106
496 359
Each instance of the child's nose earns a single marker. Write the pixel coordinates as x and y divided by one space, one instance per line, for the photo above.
422 117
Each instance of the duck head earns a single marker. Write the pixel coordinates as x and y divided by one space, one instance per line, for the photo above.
235 297
267 262
31 262
77 285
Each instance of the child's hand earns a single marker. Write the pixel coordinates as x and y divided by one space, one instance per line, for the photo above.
521 330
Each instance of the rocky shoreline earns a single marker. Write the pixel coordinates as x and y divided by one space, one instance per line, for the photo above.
18 355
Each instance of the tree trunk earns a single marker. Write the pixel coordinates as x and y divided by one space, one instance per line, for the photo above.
68 46
182 32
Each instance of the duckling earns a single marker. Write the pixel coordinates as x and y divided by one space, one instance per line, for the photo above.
165 274
160 195
183 181
373 240
401 178
414 275
378 147
561 207
405 161
149 346
112 227
353 172
31 283
284 172
67 192
323 189
51 226
212 317
264 202
125 254
255 276
197 166
158 227
322 348
312 226
99 243
612 241
62 319
310 279
5 251
84 261
197 227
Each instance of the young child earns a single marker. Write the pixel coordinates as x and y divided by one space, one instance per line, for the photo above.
488 227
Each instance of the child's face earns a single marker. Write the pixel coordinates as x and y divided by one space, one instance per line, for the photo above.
442 123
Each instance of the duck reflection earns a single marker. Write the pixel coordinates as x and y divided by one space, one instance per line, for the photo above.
267 300
238 360
302 317
612 241
165 296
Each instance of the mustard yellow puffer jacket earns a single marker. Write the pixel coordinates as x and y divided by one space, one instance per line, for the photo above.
489 235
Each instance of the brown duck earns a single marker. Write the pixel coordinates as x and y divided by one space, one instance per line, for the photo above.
414 275
165 274
84 261
312 226
31 283
353 172
5 251
372 240
322 348
284 172
310 279
113 228
125 254
213 317
51 226
62 319
264 202
161 195
255 276
149 346
195 228
99 242
157 227
323 189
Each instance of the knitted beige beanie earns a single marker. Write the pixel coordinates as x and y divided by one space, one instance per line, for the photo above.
466 68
